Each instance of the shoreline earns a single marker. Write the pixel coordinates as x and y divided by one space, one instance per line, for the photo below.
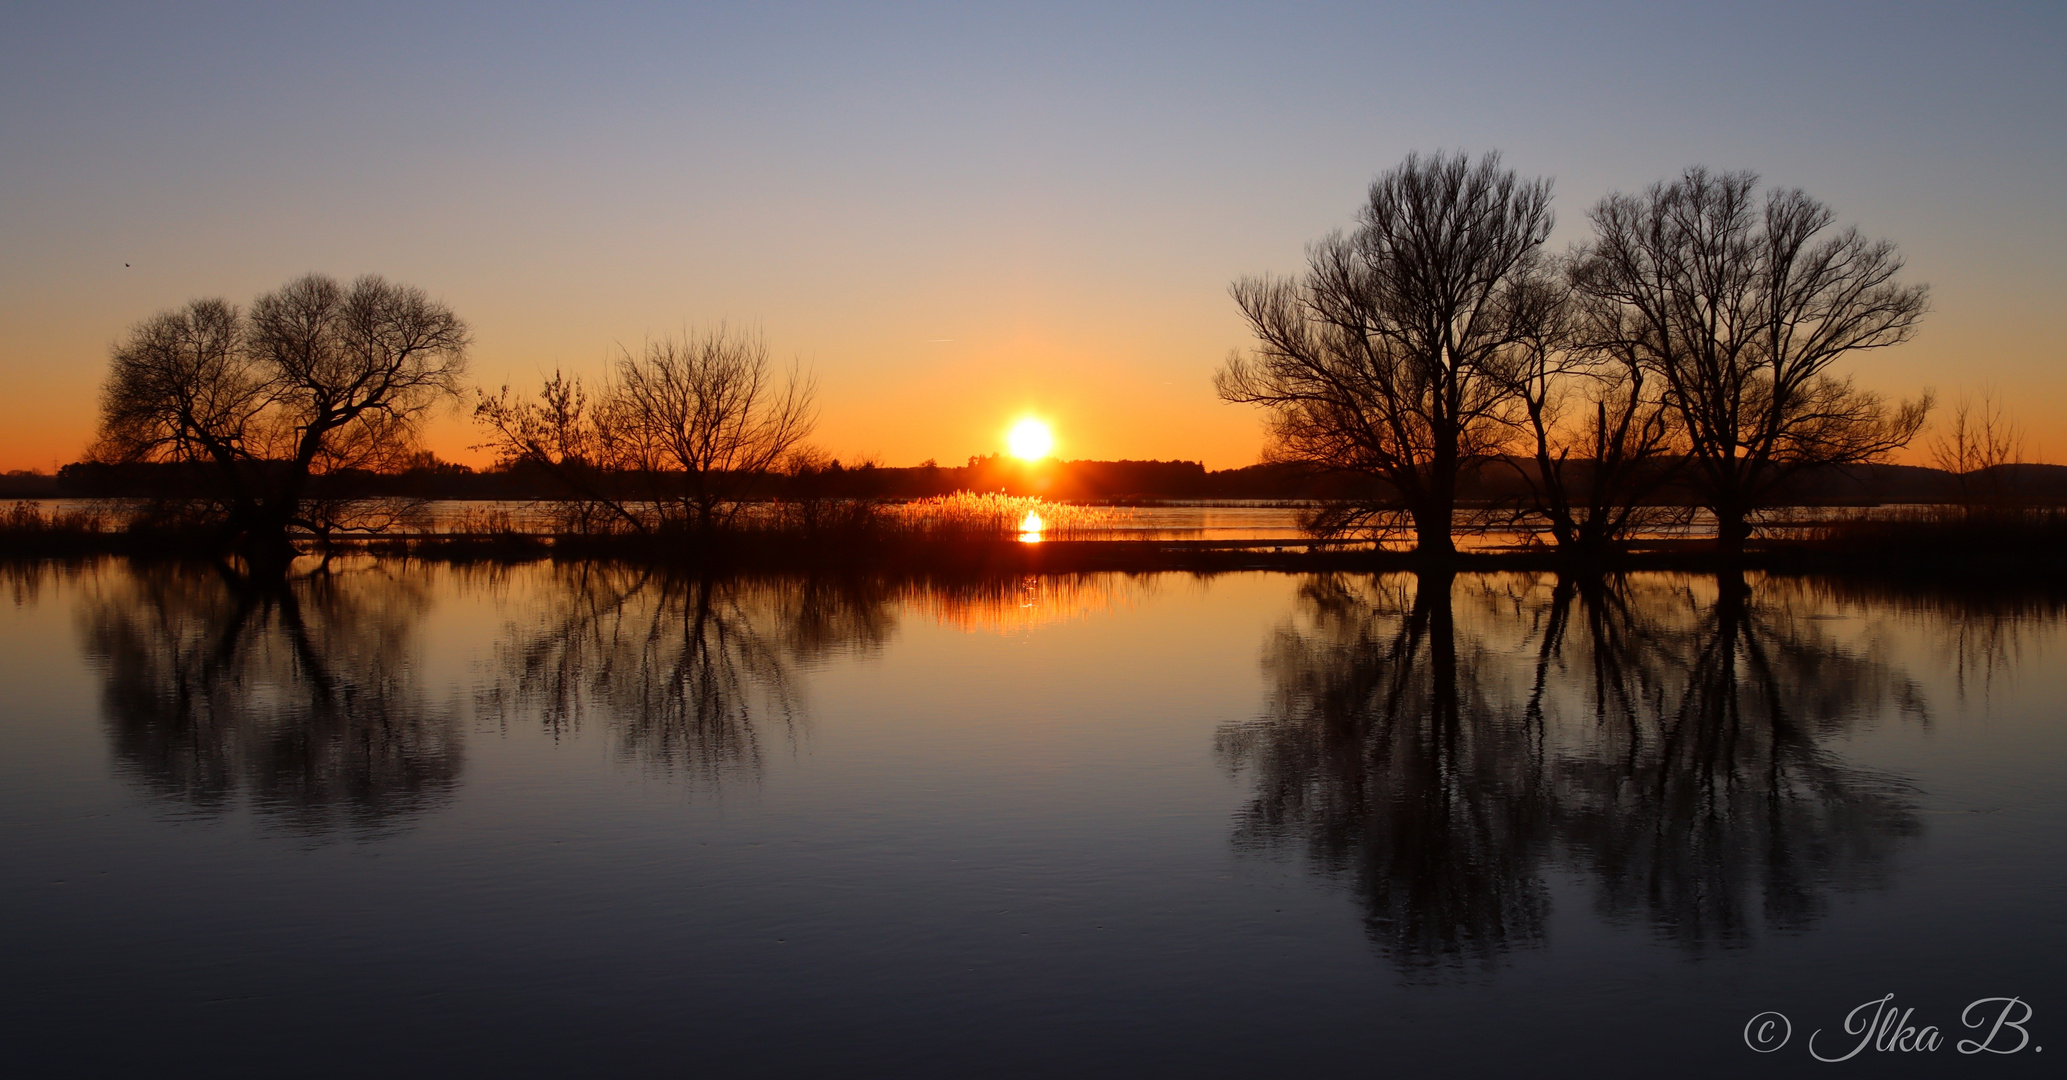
1847 556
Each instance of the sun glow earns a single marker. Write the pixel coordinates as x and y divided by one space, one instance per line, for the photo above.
1030 440
1030 528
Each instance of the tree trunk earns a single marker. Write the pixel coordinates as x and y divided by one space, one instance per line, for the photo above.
265 547
1591 538
1436 511
1432 530
1732 528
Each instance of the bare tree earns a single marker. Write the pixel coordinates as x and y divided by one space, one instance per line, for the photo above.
1394 355
1981 448
182 389
1597 423
1742 305
709 408
319 378
671 438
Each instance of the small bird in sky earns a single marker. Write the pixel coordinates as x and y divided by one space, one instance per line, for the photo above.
125 264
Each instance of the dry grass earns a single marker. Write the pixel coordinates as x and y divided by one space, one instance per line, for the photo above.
1951 537
962 517
990 516
30 519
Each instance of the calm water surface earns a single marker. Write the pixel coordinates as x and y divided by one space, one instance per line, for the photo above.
545 820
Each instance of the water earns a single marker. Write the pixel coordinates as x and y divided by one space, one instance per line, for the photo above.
1208 519
544 820
1187 520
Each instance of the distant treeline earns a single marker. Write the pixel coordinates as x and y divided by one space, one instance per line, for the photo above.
1079 481
1084 481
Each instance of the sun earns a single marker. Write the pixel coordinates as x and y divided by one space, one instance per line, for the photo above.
1030 440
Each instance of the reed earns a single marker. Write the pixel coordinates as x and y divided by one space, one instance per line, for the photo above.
1951 538
997 516
31 528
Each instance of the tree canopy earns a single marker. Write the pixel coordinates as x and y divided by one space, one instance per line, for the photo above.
317 377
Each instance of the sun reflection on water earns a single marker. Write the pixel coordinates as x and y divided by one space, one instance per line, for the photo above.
1027 602
1030 528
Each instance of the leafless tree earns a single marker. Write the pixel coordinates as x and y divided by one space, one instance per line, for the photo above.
181 388
1393 355
1981 448
1597 422
317 379
670 439
1742 305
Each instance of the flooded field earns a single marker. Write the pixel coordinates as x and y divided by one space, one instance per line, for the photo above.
547 819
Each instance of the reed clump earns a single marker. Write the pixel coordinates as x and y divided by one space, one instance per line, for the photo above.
996 516
30 528
1951 539
964 517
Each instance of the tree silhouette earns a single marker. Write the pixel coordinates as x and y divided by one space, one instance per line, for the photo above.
1396 354
690 674
1667 747
1595 418
1700 796
1381 753
317 379
1742 306
294 698
668 443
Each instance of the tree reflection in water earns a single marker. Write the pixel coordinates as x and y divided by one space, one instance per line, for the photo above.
690 673
693 674
1448 746
299 697
294 696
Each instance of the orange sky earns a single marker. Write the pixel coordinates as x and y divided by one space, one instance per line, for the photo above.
956 217
1121 369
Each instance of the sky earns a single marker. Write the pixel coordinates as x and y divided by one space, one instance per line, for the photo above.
956 215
